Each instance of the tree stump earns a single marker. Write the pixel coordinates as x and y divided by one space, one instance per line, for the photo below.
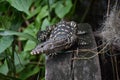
62 67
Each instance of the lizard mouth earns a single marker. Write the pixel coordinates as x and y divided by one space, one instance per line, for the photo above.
50 46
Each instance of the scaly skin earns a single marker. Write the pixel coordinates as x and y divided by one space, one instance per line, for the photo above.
60 37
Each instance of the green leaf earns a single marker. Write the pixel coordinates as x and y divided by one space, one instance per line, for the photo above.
2 56
5 42
43 13
44 24
33 13
21 5
62 9
29 71
31 29
5 22
24 35
20 61
29 45
4 68
11 65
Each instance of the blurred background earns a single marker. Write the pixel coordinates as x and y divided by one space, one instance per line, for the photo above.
20 20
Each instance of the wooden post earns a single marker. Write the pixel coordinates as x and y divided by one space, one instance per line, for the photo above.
62 67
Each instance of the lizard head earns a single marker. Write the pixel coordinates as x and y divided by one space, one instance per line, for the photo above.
49 46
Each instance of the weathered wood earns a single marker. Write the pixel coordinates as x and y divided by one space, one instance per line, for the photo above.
88 69
62 67
59 67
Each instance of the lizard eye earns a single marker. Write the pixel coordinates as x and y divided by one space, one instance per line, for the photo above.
73 24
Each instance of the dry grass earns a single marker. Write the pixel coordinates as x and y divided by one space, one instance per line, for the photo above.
111 28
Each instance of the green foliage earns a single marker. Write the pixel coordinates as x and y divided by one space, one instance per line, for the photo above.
25 35
4 77
21 5
20 20
7 40
62 9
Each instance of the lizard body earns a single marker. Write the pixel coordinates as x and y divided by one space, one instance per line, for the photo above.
56 38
